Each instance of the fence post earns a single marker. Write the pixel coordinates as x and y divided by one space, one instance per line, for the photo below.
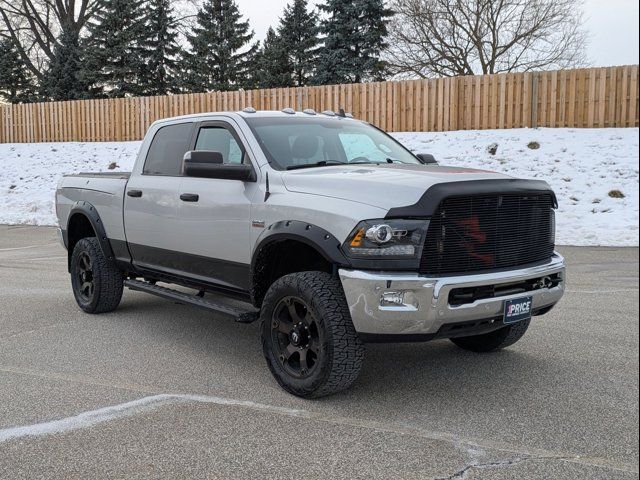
534 100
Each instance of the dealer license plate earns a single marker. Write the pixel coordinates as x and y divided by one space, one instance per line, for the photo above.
517 309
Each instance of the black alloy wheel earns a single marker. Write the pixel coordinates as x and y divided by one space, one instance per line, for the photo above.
308 338
96 281
84 272
296 337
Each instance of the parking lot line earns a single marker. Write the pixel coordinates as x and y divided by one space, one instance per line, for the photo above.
149 403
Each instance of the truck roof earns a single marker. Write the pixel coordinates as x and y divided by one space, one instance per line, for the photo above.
251 113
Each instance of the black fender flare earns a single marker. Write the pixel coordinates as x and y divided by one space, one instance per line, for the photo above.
316 237
322 241
90 213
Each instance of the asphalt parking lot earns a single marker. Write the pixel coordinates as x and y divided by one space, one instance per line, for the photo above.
160 390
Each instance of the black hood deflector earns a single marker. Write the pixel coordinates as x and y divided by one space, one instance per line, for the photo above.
431 199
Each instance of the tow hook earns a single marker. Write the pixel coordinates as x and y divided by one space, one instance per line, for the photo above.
544 282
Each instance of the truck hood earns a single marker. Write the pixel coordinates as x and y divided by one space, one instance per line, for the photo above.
383 186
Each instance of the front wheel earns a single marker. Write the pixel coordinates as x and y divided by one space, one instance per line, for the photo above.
96 281
308 338
496 340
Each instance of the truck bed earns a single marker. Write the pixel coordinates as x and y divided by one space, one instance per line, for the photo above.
103 190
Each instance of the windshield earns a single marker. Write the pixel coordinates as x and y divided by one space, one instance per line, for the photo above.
296 143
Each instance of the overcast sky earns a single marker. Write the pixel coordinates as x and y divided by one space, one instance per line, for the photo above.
613 25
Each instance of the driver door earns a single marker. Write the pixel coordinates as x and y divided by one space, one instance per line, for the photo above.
215 214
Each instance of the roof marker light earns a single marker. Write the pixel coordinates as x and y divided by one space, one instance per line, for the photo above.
309 111
290 111
249 110
329 113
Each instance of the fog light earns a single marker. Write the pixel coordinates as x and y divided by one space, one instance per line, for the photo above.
403 299
390 299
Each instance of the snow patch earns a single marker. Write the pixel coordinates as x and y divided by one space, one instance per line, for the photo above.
582 165
128 409
30 172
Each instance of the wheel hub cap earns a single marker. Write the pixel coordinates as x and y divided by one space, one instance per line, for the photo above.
299 336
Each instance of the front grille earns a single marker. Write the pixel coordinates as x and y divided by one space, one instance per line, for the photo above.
486 232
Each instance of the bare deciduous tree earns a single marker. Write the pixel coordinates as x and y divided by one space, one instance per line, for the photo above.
468 37
34 25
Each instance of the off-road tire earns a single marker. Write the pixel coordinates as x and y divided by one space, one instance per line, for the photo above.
496 340
108 281
341 352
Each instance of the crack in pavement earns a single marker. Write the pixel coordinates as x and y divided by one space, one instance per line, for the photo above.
156 399
463 472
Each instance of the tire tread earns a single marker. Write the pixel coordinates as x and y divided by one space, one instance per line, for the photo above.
110 281
346 350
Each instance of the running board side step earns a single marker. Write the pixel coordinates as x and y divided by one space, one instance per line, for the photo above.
238 314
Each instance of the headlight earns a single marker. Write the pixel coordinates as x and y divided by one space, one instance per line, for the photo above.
387 239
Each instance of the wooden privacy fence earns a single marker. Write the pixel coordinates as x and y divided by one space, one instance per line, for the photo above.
594 97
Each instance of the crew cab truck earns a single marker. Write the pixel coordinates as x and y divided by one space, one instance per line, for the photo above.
321 226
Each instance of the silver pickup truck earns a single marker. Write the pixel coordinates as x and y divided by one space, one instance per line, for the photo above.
321 226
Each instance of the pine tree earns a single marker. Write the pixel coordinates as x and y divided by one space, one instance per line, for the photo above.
62 80
274 68
354 32
16 86
299 31
250 67
221 54
114 62
161 51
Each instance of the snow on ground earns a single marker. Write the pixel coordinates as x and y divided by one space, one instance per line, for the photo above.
583 166
30 172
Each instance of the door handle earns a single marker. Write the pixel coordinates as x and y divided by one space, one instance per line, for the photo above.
134 193
189 197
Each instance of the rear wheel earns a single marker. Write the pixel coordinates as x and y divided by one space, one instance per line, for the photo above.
308 339
97 283
496 340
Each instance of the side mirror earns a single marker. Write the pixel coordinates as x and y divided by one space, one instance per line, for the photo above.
427 158
208 164
197 162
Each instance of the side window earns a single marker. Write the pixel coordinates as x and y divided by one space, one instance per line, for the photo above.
219 139
357 145
167 149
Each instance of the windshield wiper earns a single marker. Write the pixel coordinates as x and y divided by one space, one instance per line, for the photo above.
322 163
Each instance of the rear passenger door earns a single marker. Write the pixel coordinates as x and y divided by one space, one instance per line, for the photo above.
151 200
215 214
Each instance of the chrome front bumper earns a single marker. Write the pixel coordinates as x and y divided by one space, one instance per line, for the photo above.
425 307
